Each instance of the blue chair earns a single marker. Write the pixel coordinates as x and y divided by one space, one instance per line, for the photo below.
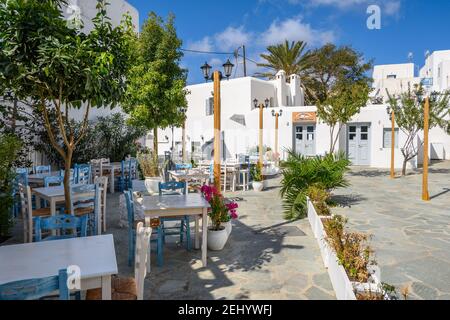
183 166
128 172
86 205
42 169
52 181
83 174
132 232
176 188
61 223
73 174
34 289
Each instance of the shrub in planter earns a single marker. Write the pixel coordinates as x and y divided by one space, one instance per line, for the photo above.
257 178
319 197
149 165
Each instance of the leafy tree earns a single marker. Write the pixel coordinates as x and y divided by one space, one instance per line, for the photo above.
42 58
156 81
330 66
290 57
344 102
409 115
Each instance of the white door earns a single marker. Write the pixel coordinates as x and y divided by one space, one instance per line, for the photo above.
305 140
359 144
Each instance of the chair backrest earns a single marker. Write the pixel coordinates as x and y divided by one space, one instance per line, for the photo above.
42 169
91 202
27 212
183 166
83 173
34 289
130 207
97 168
22 176
62 223
172 186
73 174
102 183
143 235
52 181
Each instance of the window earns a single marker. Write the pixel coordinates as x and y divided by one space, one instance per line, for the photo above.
209 106
392 76
387 135
299 133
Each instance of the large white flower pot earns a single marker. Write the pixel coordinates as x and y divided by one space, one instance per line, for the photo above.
152 184
217 239
228 226
258 186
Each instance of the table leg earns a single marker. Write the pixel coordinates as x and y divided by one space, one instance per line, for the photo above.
106 287
111 184
197 232
53 212
38 202
204 236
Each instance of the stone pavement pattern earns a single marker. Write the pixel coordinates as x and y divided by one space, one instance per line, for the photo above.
411 238
265 258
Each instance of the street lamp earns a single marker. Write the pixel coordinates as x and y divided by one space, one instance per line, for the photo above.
183 146
217 77
276 115
261 127
391 112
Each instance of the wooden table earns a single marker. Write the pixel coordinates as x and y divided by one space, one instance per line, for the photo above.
112 168
183 175
180 205
95 257
39 177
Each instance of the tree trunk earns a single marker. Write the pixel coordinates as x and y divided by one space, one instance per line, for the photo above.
67 195
405 163
155 141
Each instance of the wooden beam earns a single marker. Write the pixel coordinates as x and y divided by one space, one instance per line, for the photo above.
217 130
426 126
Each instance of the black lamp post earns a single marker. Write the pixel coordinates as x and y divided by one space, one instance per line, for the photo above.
227 68
261 127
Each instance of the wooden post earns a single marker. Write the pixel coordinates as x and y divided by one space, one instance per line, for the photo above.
276 137
393 146
426 118
261 127
184 142
217 130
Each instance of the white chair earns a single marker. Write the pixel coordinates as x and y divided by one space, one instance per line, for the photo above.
130 288
28 213
102 182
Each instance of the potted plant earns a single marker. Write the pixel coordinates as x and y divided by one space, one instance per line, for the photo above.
231 215
219 211
257 178
149 165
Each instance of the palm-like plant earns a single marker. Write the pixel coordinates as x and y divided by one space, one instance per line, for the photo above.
290 57
300 173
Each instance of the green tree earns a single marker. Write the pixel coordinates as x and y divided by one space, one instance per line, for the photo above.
330 66
43 59
156 91
342 104
409 115
290 57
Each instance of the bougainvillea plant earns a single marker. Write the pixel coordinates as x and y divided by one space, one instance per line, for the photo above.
222 210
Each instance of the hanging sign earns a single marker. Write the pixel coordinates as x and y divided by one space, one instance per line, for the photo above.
304 117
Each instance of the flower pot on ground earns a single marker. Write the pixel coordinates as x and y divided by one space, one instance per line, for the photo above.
222 211
152 184
217 238
257 178
149 164
258 186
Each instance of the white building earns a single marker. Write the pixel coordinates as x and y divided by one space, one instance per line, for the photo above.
366 139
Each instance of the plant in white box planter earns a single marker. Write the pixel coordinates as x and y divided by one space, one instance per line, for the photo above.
221 211
149 165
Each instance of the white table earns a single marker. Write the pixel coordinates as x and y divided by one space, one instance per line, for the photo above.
179 205
39 177
55 195
95 256
187 175
112 168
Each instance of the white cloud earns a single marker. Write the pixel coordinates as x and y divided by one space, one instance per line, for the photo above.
231 38
204 44
389 7
295 30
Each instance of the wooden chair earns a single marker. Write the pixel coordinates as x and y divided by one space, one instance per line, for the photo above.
34 289
64 224
73 174
87 205
102 183
183 166
28 213
83 174
128 172
53 181
176 188
132 232
21 177
130 288
42 169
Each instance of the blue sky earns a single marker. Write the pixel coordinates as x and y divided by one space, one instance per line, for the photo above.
406 26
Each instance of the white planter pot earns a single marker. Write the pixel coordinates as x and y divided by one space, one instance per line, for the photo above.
152 184
228 226
258 186
217 239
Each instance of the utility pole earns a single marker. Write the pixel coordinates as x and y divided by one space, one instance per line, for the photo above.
245 60
426 119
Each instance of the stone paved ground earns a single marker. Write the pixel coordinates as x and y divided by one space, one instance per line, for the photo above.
265 258
411 237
